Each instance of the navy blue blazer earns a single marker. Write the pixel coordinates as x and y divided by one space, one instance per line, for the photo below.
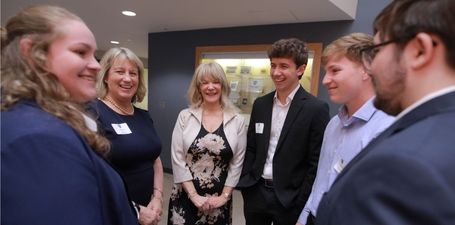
49 175
297 152
404 176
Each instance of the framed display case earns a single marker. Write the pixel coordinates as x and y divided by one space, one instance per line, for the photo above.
247 69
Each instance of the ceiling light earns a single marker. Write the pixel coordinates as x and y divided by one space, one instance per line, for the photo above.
115 42
128 13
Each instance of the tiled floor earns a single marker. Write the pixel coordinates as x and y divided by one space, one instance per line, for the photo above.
237 214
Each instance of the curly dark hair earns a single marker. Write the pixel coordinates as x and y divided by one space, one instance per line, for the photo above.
292 48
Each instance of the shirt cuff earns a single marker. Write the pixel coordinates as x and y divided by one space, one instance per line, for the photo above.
136 208
303 217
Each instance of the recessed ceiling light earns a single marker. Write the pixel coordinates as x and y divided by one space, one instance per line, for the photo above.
128 13
115 42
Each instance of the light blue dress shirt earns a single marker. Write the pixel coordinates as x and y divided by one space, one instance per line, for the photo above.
344 138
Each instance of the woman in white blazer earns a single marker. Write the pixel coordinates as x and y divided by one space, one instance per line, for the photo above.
208 148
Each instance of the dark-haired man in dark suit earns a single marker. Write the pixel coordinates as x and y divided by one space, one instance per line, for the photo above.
284 140
406 175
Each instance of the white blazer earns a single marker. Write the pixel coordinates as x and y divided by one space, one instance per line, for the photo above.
186 129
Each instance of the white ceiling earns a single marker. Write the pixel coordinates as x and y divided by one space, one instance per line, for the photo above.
107 23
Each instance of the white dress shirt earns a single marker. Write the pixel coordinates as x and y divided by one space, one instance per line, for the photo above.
279 113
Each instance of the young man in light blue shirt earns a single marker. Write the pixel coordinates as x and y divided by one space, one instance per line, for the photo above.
357 122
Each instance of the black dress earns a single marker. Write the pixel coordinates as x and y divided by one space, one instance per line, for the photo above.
208 160
132 154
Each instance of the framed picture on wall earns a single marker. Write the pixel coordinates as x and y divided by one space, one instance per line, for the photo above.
247 69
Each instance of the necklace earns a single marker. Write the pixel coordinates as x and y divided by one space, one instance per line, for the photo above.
123 110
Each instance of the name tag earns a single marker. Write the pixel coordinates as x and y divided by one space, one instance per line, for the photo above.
259 128
121 128
339 166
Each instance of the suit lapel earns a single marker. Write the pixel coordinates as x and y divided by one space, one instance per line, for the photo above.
294 109
435 106
267 121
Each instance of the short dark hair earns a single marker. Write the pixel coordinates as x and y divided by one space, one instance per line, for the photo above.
401 20
292 48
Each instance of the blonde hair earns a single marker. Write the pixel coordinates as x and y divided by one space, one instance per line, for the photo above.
349 46
216 72
109 58
29 79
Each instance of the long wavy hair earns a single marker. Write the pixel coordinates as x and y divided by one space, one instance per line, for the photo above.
27 78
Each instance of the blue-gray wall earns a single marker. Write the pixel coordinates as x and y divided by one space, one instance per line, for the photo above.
171 59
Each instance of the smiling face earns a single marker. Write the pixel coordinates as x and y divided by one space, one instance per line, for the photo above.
343 79
210 89
122 80
71 59
285 74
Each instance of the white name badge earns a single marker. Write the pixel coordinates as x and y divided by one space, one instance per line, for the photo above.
121 128
259 128
339 166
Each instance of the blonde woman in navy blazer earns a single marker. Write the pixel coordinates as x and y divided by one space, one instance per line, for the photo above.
52 165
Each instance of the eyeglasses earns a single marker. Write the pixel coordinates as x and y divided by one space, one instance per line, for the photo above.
369 53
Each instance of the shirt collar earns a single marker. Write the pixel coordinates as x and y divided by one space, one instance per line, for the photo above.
364 113
290 96
426 98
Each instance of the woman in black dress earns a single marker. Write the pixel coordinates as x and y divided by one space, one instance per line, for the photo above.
135 144
208 146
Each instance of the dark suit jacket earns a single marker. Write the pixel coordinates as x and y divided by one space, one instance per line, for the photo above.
49 174
297 152
405 176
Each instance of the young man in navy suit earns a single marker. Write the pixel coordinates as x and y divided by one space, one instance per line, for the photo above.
284 140
406 174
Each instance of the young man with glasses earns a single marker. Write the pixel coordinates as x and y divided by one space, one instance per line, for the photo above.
357 122
405 175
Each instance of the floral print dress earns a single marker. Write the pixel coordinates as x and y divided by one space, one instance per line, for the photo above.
208 161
